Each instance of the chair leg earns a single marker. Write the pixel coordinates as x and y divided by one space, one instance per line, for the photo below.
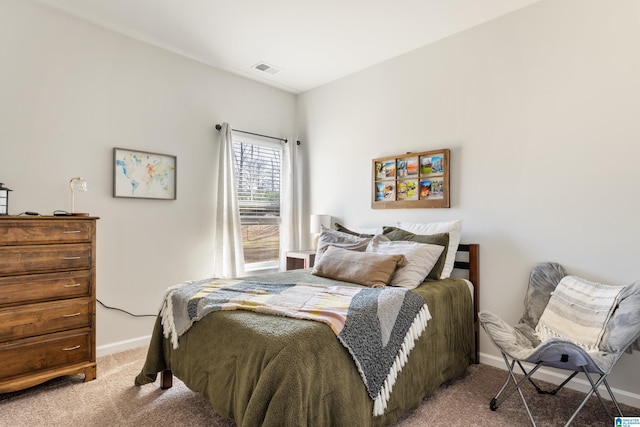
540 390
613 398
498 400
594 390
493 405
500 397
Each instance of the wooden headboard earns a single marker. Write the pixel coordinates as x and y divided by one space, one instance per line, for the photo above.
468 260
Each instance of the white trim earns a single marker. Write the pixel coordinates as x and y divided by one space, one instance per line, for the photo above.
116 347
579 384
623 396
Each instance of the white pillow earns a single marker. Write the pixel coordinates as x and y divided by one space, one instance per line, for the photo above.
420 257
578 310
454 228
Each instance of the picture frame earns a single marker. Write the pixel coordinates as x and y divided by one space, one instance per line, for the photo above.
411 180
144 175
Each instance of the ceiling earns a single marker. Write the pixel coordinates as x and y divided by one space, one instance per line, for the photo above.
310 42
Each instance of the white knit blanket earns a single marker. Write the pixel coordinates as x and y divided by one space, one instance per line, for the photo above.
578 310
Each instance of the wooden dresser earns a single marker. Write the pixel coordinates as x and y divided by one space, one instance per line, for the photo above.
47 299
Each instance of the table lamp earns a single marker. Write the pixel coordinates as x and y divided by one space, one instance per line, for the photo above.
77 184
315 228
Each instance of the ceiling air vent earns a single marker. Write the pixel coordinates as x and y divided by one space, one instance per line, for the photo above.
266 68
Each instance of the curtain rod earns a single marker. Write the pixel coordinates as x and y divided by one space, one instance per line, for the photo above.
218 127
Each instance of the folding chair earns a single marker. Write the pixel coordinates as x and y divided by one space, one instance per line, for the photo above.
568 323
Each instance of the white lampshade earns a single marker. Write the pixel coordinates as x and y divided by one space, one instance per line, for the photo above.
317 220
314 226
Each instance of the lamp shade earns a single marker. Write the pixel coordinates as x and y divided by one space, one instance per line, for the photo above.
317 220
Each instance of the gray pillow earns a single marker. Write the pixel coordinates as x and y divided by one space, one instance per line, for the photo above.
340 239
344 229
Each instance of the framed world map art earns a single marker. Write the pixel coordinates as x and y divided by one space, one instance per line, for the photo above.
412 180
144 175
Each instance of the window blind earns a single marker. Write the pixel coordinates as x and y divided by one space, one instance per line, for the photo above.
258 181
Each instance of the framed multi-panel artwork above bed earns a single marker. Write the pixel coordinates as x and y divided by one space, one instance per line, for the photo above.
411 180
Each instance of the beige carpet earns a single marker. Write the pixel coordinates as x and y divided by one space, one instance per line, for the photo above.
113 400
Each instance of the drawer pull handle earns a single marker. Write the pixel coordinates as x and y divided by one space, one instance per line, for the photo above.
71 232
75 285
71 315
71 348
67 258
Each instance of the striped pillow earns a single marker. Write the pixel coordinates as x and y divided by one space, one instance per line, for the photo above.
578 310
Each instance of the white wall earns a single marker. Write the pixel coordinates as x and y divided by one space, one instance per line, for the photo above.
69 93
540 111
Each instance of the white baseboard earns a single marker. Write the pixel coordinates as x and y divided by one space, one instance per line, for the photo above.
105 350
622 396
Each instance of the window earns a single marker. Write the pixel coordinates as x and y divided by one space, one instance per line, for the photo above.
258 167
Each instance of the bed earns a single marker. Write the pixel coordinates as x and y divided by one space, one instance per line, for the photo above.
260 369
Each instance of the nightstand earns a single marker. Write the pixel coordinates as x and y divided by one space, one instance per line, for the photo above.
300 259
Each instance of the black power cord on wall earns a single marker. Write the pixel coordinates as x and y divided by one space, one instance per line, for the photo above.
125 311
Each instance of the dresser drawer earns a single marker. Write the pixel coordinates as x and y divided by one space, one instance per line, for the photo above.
30 356
38 231
43 287
33 259
36 319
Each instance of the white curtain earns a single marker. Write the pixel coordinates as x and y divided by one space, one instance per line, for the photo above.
228 258
290 202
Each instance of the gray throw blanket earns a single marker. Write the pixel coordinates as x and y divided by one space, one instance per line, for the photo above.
378 326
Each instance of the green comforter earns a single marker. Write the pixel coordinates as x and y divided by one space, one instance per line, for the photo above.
267 370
